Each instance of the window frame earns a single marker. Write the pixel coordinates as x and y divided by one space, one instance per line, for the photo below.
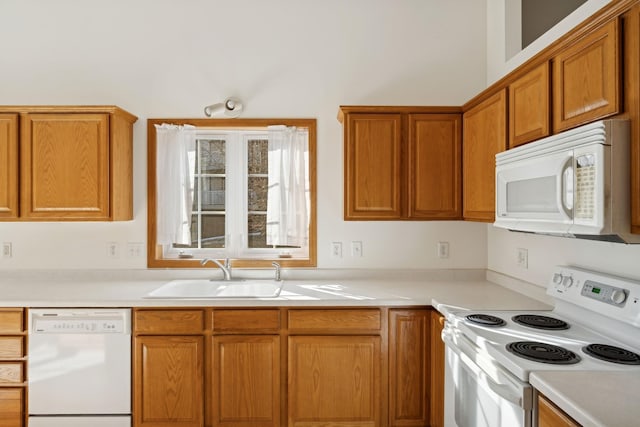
155 257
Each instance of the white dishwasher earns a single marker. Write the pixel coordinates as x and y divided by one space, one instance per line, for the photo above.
79 367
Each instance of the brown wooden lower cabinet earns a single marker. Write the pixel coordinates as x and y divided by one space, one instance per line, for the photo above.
13 391
334 380
297 367
11 407
549 415
436 357
246 381
168 381
408 367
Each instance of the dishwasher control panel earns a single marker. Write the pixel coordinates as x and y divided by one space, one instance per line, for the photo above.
79 322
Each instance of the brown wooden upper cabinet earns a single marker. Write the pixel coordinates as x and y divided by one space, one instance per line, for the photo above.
586 78
529 106
485 135
402 162
8 166
75 163
631 101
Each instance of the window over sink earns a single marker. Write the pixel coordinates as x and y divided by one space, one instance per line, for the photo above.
229 188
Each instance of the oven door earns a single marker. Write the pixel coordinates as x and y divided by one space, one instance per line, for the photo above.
479 393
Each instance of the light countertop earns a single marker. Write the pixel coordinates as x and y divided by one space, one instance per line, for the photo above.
119 288
593 399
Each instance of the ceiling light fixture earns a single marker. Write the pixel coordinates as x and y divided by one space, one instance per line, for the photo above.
231 107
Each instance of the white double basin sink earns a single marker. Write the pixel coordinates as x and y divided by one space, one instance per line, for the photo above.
205 288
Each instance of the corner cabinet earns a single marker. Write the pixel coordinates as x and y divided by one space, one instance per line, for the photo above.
485 135
401 162
13 382
66 163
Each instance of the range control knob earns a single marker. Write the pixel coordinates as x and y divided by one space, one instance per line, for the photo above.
567 282
557 279
618 296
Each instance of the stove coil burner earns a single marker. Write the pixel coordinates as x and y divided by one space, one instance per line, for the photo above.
613 354
485 320
543 352
538 321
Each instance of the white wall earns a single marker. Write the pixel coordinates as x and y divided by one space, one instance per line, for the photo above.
284 58
543 251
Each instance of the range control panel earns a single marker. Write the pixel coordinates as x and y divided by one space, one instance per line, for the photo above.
605 293
608 295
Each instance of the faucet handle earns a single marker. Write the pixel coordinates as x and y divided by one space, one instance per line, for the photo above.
277 267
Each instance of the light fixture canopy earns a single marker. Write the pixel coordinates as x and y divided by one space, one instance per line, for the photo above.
231 107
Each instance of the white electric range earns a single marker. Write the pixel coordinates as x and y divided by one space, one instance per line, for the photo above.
594 326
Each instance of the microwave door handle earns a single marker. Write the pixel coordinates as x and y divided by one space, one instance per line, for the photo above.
566 180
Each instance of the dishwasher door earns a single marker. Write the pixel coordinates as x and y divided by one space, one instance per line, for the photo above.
79 362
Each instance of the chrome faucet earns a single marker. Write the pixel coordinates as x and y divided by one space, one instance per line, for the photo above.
226 267
277 267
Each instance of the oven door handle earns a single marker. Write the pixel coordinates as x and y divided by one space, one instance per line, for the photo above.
507 389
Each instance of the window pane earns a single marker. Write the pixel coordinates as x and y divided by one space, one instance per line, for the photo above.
257 192
212 156
257 226
258 150
213 231
212 193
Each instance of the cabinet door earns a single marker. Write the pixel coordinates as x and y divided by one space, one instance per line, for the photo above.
246 381
11 407
65 166
408 368
168 381
484 135
586 79
632 105
373 173
334 380
437 370
550 416
8 166
529 107
435 174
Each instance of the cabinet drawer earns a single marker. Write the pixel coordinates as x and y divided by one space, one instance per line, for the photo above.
11 321
169 321
11 372
11 403
11 347
335 320
246 320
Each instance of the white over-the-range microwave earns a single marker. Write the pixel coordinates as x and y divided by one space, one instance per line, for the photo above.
575 183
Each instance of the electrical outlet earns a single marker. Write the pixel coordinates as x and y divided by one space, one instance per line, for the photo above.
134 249
443 249
356 249
7 250
522 258
336 249
113 250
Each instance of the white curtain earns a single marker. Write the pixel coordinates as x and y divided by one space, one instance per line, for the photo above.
175 157
288 198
